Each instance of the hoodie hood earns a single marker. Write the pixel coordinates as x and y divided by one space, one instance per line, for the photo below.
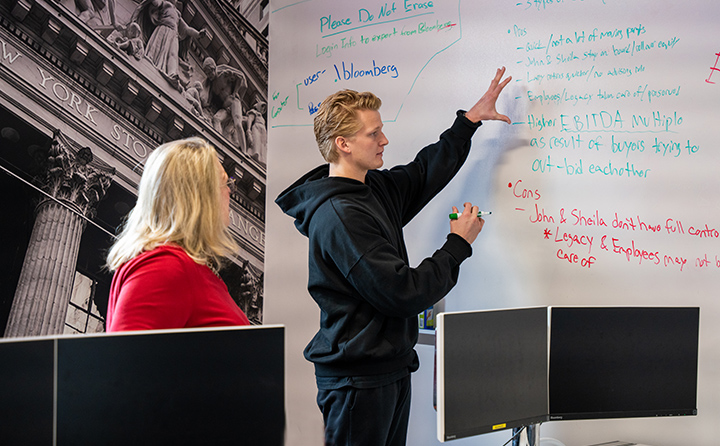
307 194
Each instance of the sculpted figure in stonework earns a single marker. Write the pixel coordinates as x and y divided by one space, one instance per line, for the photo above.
193 94
96 13
129 40
163 29
257 133
224 88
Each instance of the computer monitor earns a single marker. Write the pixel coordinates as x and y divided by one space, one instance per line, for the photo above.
509 368
491 371
619 362
26 392
220 385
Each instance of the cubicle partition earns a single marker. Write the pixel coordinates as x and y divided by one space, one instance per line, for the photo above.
196 386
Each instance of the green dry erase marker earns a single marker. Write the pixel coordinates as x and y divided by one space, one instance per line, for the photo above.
455 215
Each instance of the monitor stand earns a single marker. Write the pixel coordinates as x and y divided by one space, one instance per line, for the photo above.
530 435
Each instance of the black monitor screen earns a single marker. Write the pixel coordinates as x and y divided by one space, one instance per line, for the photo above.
187 387
623 362
492 371
26 391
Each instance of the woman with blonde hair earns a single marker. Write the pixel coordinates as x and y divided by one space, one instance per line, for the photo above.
167 257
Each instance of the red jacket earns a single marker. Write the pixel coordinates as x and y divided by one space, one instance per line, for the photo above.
165 288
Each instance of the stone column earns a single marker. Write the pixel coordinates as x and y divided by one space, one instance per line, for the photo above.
75 185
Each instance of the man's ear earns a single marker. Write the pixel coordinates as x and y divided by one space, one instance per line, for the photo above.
342 144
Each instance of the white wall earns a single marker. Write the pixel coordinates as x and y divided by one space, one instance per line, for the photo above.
671 48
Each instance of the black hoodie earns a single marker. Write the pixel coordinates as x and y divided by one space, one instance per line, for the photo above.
359 273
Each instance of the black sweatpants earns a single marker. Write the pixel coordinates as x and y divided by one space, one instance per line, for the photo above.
366 417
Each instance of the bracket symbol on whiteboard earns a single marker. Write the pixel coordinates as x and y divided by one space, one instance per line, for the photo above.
367 59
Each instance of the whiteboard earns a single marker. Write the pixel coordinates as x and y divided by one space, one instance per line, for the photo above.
602 191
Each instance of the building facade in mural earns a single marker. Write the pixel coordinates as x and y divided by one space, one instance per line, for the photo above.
87 89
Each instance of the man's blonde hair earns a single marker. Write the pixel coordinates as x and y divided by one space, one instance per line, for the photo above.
179 202
337 116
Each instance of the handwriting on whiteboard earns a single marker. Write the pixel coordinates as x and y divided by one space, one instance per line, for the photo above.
626 117
364 46
585 237
713 69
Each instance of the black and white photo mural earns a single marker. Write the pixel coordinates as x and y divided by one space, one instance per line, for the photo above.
88 88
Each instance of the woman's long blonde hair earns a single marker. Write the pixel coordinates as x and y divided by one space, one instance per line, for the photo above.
179 202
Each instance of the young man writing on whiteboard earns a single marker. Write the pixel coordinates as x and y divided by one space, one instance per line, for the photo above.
359 273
